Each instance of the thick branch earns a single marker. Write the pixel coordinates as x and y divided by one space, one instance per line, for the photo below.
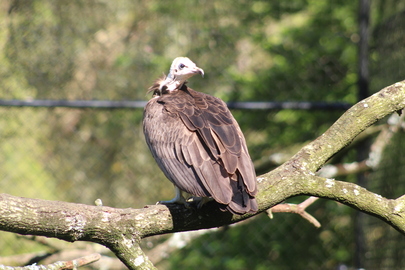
128 245
386 132
351 124
390 210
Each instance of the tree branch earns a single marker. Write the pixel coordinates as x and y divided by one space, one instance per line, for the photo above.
181 239
386 132
350 124
121 229
128 245
296 209
64 265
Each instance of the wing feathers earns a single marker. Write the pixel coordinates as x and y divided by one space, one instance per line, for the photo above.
199 146
245 167
229 160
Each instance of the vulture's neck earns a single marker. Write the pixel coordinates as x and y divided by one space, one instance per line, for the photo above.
171 84
164 85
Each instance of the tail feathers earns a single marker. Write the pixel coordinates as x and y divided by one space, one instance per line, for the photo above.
238 209
241 202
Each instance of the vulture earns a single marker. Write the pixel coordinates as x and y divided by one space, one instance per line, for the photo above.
198 144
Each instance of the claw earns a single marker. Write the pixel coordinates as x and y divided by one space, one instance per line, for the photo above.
199 201
179 199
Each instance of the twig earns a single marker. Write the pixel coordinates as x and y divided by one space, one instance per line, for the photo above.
62 265
296 209
81 261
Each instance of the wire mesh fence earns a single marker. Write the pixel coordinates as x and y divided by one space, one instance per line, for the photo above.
255 51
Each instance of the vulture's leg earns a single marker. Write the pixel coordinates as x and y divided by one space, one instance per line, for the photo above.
200 201
179 199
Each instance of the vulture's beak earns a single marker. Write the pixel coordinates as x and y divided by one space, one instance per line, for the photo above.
200 71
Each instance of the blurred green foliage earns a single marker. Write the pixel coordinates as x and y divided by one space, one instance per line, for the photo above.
300 50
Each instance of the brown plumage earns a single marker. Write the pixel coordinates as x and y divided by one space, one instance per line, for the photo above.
197 143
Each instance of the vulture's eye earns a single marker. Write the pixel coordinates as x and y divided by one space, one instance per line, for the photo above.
181 66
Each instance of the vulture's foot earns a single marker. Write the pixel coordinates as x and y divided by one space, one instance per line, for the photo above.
178 199
199 201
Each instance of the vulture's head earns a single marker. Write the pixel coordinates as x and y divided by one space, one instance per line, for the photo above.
181 69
